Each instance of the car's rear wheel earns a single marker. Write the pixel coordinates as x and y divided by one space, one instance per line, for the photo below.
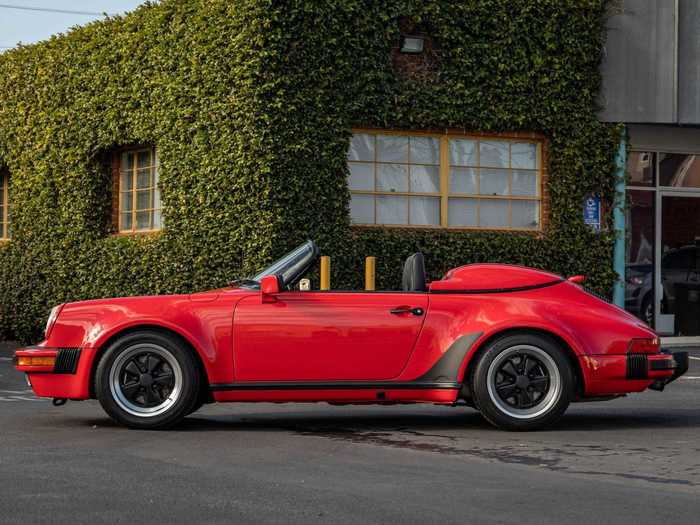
147 380
522 381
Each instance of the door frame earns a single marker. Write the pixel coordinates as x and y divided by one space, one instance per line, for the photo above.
661 321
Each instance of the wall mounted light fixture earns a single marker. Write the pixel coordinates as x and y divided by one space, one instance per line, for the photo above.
412 44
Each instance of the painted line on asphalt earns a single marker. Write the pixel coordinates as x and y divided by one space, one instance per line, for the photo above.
689 377
18 398
696 358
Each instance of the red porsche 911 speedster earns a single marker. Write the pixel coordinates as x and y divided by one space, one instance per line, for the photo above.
517 344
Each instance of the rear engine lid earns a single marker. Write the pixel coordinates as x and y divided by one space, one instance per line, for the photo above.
484 278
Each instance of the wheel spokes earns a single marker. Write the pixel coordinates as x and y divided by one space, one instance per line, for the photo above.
507 390
164 379
524 399
151 363
522 380
133 368
150 396
131 390
540 384
509 369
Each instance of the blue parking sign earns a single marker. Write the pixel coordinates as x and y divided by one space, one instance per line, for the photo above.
591 211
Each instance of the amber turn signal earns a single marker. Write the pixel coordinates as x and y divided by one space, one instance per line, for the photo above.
36 360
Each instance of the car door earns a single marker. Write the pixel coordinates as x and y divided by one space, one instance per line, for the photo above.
326 336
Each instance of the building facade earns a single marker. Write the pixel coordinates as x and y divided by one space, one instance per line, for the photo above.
651 82
192 141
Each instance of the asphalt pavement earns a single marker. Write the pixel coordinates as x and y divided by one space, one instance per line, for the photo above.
632 460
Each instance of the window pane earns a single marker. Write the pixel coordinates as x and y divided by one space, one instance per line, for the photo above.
143 220
641 167
493 154
425 150
425 179
391 148
462 212
392 209
362 209
463 180
361 176
392 177
125 221
143 159
493 213
143 178
361 147
125 182
523 155
425 210
127 161
463 152
526 214
493 182
126 201
679 171
144 200
524 183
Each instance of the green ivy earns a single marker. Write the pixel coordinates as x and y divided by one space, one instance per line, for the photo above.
250 104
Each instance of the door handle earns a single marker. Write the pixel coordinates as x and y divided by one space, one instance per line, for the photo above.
399 311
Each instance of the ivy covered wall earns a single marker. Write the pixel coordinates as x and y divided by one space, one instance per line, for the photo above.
250 104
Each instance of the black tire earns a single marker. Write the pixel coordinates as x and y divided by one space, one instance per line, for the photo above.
513 398
147 380
199 404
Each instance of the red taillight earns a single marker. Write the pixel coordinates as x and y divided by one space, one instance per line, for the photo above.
644 346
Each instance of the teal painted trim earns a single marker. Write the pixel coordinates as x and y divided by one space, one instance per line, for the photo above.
619 221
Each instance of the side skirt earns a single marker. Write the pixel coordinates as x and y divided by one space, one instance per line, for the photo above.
342 394
334 385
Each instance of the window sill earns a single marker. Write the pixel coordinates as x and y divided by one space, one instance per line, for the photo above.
137 233
473 229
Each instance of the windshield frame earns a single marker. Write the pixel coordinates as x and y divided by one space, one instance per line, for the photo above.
290 268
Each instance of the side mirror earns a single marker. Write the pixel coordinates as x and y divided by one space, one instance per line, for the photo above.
269 287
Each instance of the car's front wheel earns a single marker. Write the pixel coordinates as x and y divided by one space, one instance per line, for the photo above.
522 381
147 380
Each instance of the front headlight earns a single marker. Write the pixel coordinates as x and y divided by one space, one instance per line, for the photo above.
52 320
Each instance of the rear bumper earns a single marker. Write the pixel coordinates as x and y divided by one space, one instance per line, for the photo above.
621 374
678 365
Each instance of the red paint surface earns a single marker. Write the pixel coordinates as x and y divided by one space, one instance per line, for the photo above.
328 336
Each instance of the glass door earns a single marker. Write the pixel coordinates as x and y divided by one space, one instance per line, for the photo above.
678 276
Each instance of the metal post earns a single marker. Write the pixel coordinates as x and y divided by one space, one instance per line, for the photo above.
325 272
619 220
370 271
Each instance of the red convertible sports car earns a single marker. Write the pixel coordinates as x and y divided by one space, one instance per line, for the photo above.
517 344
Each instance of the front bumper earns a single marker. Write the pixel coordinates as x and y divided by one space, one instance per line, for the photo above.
58 373
65 360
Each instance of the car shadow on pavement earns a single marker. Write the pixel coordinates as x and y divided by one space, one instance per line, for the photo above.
461 421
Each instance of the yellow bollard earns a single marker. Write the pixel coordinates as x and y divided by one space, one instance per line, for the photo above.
370 271
325 272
